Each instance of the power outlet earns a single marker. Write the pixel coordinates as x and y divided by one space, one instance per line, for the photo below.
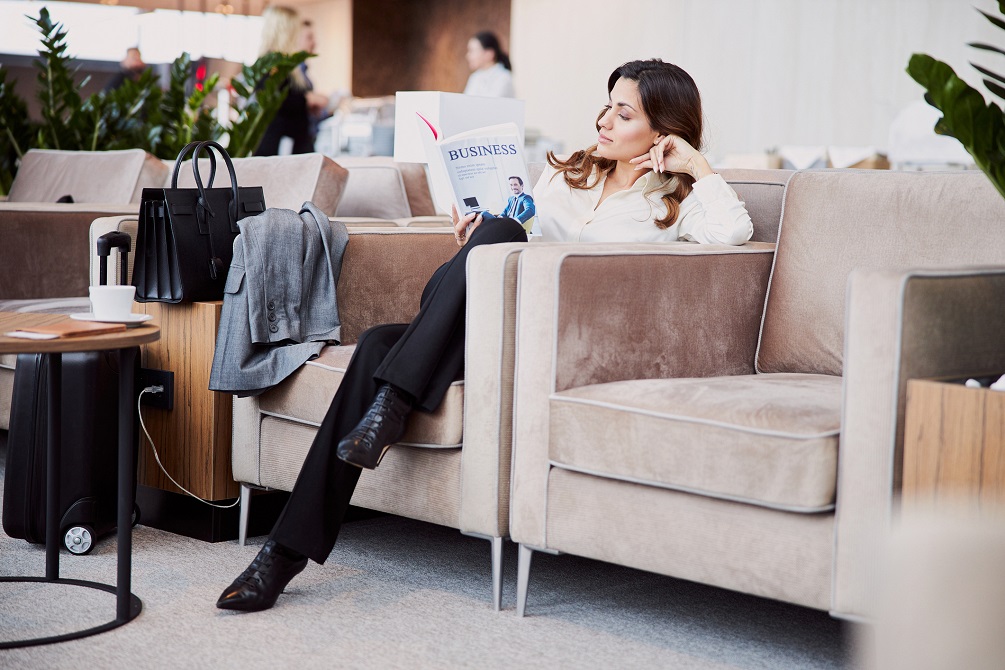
165 378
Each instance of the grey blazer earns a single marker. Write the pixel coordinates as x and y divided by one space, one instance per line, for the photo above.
279 304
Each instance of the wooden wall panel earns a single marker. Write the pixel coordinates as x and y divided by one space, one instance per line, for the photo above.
417 45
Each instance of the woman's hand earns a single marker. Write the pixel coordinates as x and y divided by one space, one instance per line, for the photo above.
464 226
673 154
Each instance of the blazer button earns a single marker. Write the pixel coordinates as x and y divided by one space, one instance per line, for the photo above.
273 328
272 316
271 304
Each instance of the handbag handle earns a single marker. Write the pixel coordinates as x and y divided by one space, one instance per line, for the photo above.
209 145
181 157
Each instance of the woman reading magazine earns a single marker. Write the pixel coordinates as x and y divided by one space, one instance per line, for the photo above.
643 181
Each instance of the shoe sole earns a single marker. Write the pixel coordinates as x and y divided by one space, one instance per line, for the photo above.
367 465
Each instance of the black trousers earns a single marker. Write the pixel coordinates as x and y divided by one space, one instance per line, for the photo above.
422 358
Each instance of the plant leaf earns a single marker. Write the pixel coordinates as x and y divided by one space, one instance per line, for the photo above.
995 88
979 126
993 19
988 73
986 47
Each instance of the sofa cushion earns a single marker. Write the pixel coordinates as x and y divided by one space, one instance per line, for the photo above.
114 177
376 189
834 221
287 181
307 393
768 440
762 192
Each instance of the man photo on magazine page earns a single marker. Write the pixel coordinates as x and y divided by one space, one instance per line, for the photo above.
520 205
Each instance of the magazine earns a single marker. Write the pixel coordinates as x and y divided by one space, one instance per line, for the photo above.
481 170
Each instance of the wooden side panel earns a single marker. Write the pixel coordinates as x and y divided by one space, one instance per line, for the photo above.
193 439
954 447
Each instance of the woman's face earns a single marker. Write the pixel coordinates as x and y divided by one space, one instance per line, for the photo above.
478 56
624 129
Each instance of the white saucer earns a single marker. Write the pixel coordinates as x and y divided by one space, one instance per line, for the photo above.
132 319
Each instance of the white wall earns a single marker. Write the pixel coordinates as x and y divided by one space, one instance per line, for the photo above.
332 69
771 72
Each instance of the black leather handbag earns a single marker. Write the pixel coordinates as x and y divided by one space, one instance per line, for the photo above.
186 235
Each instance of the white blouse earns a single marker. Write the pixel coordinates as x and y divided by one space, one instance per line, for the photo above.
492 82
710 214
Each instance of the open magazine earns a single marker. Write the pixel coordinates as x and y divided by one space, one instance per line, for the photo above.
481 170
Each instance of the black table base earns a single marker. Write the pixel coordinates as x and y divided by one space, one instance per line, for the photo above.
135 607
127 605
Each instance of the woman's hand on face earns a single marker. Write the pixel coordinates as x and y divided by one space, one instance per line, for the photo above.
461 226
673 154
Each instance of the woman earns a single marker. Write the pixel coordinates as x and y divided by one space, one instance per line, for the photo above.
642 181
491 73
283 32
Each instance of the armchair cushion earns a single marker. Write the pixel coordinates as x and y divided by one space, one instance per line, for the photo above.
768 440
376 188
834 221
288 181
305 397
88 176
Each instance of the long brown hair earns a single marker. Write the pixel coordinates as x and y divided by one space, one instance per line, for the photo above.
672 105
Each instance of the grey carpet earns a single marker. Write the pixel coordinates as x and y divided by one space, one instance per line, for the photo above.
397 593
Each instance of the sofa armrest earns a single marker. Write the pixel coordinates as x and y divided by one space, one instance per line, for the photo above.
383 273
899 325
489 357
591 314
44 253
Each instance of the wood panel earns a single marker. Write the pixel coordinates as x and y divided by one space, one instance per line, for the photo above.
954 447
419 45
193 439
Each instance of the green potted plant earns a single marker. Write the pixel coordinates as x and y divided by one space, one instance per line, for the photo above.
978 125
137 114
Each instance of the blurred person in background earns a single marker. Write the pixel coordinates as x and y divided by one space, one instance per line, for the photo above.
491 73
283 32
131 67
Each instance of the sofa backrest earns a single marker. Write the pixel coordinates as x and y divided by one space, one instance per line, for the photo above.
288 181
109 177
762 192
381 188
834 221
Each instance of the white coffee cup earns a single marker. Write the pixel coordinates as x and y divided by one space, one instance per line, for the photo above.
112 302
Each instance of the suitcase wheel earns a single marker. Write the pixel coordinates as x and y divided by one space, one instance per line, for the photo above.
79 539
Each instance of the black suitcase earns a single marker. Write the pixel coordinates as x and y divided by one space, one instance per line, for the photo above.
89 448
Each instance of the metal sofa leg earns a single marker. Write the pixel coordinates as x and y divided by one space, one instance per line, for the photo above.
522 578
497 571
242 527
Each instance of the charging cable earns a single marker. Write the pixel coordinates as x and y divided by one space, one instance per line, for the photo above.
139 400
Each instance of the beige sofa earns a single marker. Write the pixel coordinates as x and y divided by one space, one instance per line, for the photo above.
383 192
453 466
43 253
736 419
46 250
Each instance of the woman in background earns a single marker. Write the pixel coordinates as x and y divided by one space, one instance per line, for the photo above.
491 73
283 32
643 180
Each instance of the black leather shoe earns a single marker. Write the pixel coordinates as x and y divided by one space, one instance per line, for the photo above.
259 586
382 426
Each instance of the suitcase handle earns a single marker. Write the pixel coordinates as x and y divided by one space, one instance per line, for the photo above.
107 242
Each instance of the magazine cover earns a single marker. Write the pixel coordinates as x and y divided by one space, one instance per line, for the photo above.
484 170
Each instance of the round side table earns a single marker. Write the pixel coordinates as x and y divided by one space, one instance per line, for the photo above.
128 606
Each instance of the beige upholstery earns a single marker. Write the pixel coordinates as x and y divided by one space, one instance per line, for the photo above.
44 248
287 181
62 230
110 177
376 189
673 454
768 440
